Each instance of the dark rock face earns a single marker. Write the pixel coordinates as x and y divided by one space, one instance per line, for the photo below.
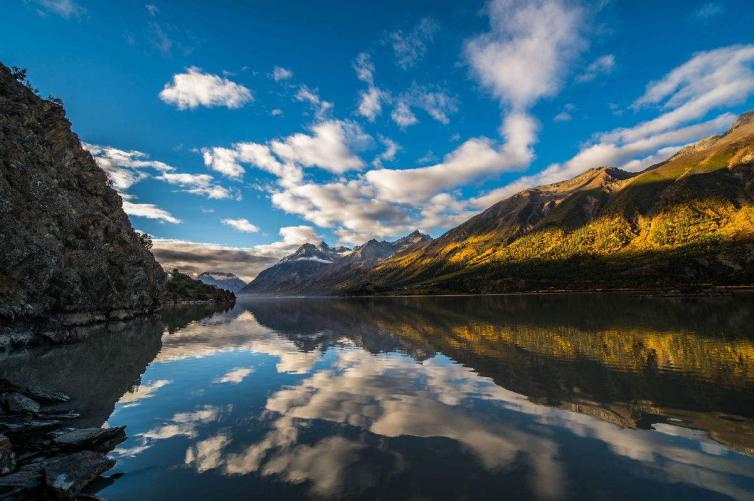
66 246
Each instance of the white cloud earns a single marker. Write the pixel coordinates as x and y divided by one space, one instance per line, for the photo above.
321 107
403 116
194 88
279 73
721 77
150 211
199 184
603 65
410 47
277 112
474 158
352 206
241 225
527 51
222 160
152 9
327 147
292 238
63 8
364 68
436 103
370 103
565 114
235 376
391 149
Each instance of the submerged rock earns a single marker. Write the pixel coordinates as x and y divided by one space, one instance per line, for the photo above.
38 459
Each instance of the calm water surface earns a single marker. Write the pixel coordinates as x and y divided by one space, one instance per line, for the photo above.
552 397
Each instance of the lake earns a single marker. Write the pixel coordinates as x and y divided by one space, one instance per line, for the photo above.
546 397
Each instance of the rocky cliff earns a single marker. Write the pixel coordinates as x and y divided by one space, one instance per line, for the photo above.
66 246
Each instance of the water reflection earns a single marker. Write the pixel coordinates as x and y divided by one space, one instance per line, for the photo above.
548 397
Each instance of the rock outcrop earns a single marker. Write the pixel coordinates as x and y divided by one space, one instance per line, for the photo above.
66 245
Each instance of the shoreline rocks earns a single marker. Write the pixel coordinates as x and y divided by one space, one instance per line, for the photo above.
40 458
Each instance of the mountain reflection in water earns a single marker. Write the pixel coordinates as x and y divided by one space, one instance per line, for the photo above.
552 397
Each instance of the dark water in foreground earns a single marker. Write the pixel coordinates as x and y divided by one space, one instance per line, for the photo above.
422 398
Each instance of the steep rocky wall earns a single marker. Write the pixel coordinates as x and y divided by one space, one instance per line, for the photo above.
66 246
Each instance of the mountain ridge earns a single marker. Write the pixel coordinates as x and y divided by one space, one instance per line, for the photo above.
687 221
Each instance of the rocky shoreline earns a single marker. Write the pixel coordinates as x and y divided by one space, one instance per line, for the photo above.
41 457
72 327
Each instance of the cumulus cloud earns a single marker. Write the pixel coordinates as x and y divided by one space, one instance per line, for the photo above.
235 376
242 225
352 207
603 65
198 184
194 88
474 158
370 103
279 73
527 51
307 95
410 47
391 149
149 211
402 115
328 146
126 168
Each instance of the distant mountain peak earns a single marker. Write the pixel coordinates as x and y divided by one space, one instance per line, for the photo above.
222 280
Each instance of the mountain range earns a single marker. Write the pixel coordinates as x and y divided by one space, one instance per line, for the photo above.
320 269
222 280
685 222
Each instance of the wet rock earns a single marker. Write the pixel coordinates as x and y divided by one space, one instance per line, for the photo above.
17 403
7 457
103 439
59 415
25 427
45 396
68 475
34 392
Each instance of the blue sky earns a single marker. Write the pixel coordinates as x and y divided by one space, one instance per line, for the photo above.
237 131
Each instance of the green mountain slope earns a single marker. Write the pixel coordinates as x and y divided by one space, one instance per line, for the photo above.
685 222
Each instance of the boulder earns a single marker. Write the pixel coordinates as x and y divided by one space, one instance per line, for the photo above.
103 439
66 476
16 403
